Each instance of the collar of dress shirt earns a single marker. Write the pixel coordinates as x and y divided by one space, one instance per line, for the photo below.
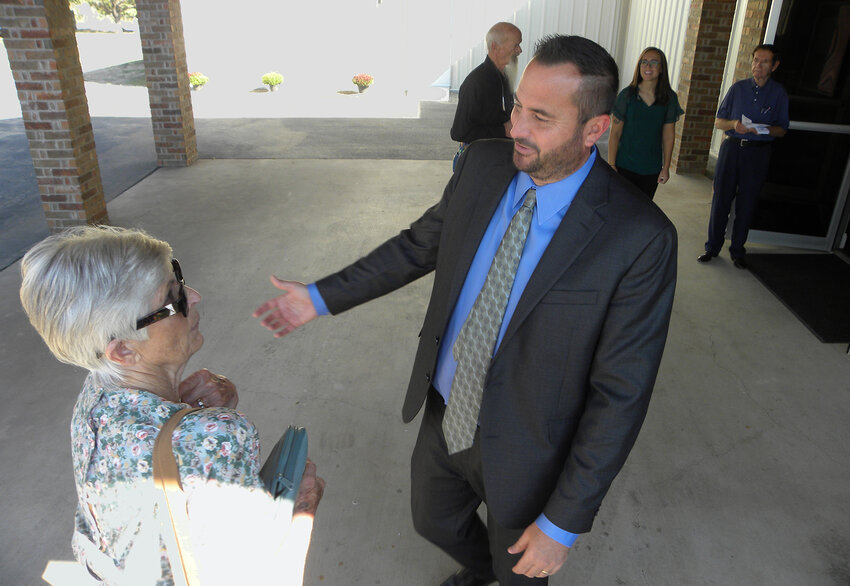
553 197
756 87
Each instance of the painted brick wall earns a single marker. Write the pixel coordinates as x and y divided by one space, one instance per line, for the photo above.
40 40
164 54
752 34
703 59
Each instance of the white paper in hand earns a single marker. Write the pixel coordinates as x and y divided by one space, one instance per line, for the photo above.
760 128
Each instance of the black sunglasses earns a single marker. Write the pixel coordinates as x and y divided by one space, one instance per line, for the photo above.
173 308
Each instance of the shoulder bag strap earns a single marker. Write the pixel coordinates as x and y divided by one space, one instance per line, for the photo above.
166 477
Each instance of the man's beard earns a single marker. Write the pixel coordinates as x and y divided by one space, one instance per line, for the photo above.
511 72
555 165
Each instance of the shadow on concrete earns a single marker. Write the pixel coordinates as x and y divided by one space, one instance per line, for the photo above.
131 73
126 154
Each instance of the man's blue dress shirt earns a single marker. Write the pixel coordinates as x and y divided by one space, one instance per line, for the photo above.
763 105
553 201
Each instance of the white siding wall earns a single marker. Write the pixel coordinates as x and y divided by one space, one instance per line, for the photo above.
599 20
654 23
623 27
469 21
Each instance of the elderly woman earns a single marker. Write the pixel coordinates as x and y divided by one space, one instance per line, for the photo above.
114 302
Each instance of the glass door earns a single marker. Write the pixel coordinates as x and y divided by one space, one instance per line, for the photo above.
804 203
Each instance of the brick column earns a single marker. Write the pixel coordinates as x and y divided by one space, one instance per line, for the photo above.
752 34
164 53
703 60
42 47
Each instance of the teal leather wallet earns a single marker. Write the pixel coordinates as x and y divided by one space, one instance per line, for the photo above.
284 467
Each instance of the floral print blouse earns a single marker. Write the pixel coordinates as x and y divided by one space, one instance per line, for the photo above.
113 431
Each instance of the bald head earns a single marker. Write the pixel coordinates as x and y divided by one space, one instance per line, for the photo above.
503 40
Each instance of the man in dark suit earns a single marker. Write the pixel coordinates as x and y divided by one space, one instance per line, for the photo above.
579 341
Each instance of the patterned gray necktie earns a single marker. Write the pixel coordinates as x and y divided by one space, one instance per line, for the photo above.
476 341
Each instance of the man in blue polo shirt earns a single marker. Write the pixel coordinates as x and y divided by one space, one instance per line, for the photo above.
753 114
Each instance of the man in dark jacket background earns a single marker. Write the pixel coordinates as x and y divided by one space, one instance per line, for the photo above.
485 99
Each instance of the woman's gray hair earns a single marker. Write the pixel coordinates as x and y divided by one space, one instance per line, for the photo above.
88 285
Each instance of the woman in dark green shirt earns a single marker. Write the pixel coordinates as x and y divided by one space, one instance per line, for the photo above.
640 146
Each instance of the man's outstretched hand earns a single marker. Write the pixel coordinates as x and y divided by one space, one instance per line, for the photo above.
285 313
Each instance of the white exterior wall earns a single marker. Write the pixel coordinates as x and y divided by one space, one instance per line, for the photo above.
623 27
654 23
599 20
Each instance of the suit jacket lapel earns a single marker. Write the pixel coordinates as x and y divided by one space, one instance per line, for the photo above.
474 216
581 222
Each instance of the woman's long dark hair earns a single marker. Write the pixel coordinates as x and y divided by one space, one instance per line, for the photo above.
662 87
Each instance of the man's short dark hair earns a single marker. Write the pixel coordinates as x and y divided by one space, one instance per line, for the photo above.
767 47
600 78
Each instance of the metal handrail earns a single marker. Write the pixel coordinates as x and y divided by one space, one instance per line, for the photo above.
819 127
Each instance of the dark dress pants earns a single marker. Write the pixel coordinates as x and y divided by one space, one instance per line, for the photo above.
445 494
739 175
646 183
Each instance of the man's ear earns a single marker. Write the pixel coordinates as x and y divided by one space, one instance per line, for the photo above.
595 128
120 352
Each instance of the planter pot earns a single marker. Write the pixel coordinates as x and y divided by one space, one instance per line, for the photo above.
273 88
362 88
197 88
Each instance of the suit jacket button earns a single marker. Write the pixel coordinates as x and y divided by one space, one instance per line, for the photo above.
437 340
428 376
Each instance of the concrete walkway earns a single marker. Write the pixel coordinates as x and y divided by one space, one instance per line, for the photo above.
316 117
125 147
739 476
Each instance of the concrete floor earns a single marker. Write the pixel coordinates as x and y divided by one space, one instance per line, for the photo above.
305 119
739 477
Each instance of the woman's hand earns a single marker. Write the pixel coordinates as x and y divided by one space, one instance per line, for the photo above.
664 176
206 389
309 493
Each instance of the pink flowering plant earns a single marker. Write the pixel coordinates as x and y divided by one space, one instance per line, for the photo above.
362 80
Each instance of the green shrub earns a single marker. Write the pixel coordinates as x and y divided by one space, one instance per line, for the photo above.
197 79
272 78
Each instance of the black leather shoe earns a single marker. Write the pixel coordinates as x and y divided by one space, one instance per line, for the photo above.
740 263
466 577
705 257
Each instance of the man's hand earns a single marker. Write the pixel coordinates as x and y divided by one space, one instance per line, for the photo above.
543 555
741 129
205 389
286 312
664 176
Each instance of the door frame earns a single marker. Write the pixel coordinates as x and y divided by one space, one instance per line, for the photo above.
841 211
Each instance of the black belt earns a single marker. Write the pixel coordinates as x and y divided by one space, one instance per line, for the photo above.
746 142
